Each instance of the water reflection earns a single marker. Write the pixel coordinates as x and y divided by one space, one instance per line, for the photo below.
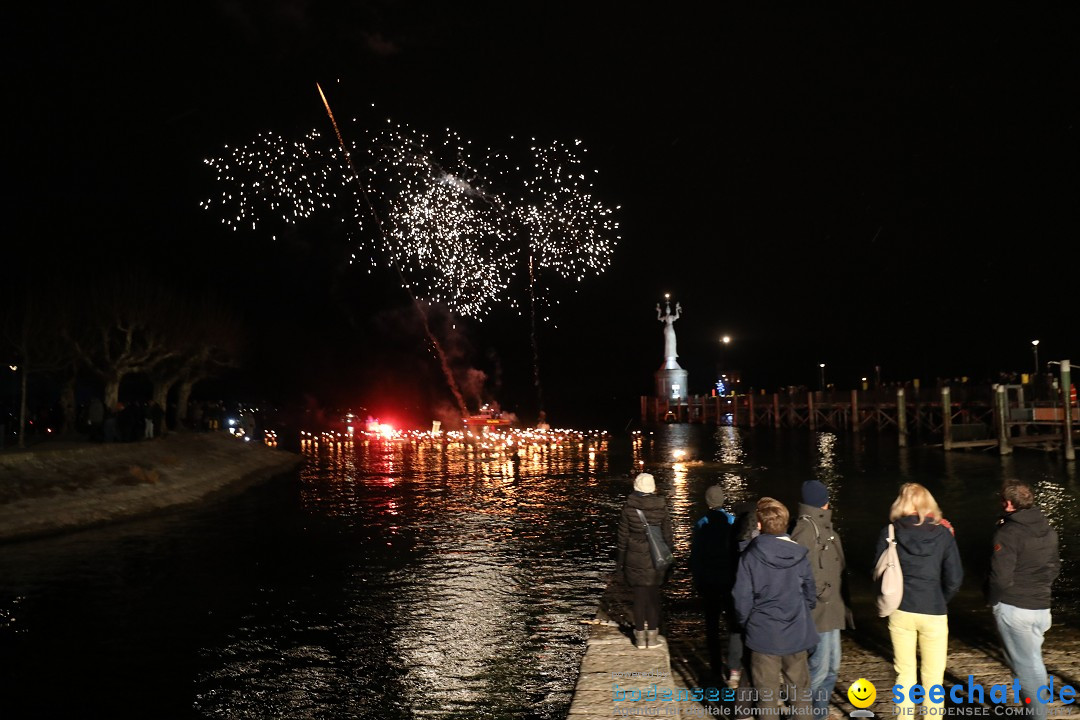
432 576
471 564
827 468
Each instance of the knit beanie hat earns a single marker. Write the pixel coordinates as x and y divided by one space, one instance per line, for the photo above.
815 493
645 483
714 496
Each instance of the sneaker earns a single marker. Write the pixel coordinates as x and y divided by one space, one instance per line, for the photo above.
733 678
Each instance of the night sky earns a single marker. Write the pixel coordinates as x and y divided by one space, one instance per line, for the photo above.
850 185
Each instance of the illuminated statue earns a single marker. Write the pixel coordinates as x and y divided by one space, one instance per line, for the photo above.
671 380
669 331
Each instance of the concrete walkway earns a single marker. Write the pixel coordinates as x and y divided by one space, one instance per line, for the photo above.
614 672
618 680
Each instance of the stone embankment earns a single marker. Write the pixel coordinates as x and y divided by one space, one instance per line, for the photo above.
68 487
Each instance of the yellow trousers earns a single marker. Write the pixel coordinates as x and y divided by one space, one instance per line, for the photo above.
929 634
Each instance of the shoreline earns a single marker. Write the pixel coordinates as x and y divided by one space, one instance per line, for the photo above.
65 489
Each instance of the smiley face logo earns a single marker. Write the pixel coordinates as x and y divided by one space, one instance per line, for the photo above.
862 693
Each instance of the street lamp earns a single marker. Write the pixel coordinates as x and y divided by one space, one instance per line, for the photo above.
722 384
822 366
1035 349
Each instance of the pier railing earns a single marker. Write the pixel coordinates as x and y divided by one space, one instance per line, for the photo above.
1000 415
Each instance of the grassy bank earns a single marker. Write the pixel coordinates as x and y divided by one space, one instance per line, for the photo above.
51 490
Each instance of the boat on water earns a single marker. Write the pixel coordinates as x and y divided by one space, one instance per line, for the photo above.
489 417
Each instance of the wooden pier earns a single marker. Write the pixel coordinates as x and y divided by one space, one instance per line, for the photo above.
965 416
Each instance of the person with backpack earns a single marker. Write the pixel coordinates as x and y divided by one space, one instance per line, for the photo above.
634 560
714 554
933 572
813 529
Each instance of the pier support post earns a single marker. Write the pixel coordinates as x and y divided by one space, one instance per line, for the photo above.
776 410
1024 429
810 409
750 403
1066 389
1001 410
855 411
901 417
946 409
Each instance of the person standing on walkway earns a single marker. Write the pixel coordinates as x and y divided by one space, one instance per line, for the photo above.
1023 568
932 572
814 531
714 555
774 594
634 560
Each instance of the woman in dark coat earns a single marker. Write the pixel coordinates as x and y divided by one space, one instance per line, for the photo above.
635 561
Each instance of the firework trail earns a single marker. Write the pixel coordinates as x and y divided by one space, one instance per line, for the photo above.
532 334
423 314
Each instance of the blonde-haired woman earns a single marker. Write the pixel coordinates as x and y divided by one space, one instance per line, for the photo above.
932 575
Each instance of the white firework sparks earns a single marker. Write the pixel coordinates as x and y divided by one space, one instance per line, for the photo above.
453 237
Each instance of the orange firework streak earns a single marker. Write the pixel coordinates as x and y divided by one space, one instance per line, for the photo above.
378 221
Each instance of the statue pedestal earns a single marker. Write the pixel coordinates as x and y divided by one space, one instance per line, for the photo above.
671 382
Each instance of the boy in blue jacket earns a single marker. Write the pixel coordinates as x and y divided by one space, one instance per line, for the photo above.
774 594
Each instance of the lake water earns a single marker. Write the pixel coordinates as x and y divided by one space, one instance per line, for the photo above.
402 580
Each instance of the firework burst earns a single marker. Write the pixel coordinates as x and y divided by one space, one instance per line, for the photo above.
272 179
442 228
458 226
562 227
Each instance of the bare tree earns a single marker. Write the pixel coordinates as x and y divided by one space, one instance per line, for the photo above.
206 336
124 329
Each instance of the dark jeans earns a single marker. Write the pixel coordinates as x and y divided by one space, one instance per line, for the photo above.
719 604
766 670
647 607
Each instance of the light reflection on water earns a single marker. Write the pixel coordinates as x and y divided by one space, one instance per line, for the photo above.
492 564
405 579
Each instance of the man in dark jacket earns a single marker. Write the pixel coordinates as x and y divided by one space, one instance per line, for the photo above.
814 531
774 594
1023 568
635 561
713 557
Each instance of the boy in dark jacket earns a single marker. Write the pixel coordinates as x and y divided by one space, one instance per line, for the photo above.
774 594
714 554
